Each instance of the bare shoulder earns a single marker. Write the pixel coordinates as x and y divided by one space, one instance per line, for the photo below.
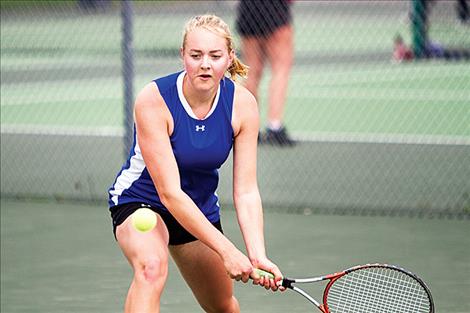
150 109
243 98
149 96
245 111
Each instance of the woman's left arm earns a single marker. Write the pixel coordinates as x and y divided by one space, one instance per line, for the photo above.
246 196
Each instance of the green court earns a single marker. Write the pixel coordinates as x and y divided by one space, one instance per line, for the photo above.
61 257
400 102
73 81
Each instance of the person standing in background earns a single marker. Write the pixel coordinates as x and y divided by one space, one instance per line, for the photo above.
266 34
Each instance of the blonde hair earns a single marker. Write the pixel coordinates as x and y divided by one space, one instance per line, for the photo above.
216 25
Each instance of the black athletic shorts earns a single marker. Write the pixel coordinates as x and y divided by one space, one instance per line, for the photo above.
261 18
178 235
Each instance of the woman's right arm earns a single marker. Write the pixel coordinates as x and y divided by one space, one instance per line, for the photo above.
154 125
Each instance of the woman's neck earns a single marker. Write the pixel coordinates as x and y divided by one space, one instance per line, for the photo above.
199 101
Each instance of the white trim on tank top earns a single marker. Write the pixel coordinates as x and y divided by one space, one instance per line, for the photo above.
186 106
130 175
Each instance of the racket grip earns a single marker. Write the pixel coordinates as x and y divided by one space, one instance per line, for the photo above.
260 272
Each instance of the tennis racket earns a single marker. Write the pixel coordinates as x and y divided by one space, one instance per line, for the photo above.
370 288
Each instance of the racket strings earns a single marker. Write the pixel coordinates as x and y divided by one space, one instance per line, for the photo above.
365 296
377 290
367 299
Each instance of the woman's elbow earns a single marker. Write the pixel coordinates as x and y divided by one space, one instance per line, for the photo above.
168 196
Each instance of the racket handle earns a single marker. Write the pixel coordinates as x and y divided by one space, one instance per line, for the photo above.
260 272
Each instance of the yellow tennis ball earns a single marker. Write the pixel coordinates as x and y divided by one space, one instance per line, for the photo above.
144 219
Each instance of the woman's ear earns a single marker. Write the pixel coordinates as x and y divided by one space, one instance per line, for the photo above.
182 57
231 56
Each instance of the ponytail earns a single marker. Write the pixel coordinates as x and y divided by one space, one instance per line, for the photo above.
237 68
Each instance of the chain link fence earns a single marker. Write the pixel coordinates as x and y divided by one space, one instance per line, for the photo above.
381 127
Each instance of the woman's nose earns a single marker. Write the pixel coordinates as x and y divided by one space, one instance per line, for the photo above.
205 64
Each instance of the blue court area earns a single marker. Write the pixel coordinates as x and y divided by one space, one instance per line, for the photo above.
62 257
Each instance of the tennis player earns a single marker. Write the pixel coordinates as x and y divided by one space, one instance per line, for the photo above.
186 123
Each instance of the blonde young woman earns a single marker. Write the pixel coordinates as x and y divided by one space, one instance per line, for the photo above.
186 123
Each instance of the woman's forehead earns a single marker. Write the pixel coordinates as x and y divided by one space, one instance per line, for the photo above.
204 39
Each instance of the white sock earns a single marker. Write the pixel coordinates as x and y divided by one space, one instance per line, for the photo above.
275 125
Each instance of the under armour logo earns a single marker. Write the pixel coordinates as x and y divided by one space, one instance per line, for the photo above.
200 128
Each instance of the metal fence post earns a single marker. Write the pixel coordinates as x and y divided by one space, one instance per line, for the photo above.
127 58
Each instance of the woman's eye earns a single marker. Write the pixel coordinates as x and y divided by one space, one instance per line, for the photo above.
195 56
216 57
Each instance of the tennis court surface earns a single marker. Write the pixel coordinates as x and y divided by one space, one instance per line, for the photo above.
62 257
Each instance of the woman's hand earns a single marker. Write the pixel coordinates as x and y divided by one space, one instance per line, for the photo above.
269 283
237 264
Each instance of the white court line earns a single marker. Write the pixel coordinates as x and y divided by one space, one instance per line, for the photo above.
71 98
300 136
62 130
382 138
312 95
387 96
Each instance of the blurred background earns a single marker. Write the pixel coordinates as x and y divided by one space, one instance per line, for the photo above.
378 102
376 133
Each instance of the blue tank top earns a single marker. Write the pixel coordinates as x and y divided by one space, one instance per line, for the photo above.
200 148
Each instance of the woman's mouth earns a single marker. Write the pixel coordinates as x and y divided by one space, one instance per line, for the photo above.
205 76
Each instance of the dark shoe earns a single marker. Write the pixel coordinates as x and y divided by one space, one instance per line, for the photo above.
278 137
